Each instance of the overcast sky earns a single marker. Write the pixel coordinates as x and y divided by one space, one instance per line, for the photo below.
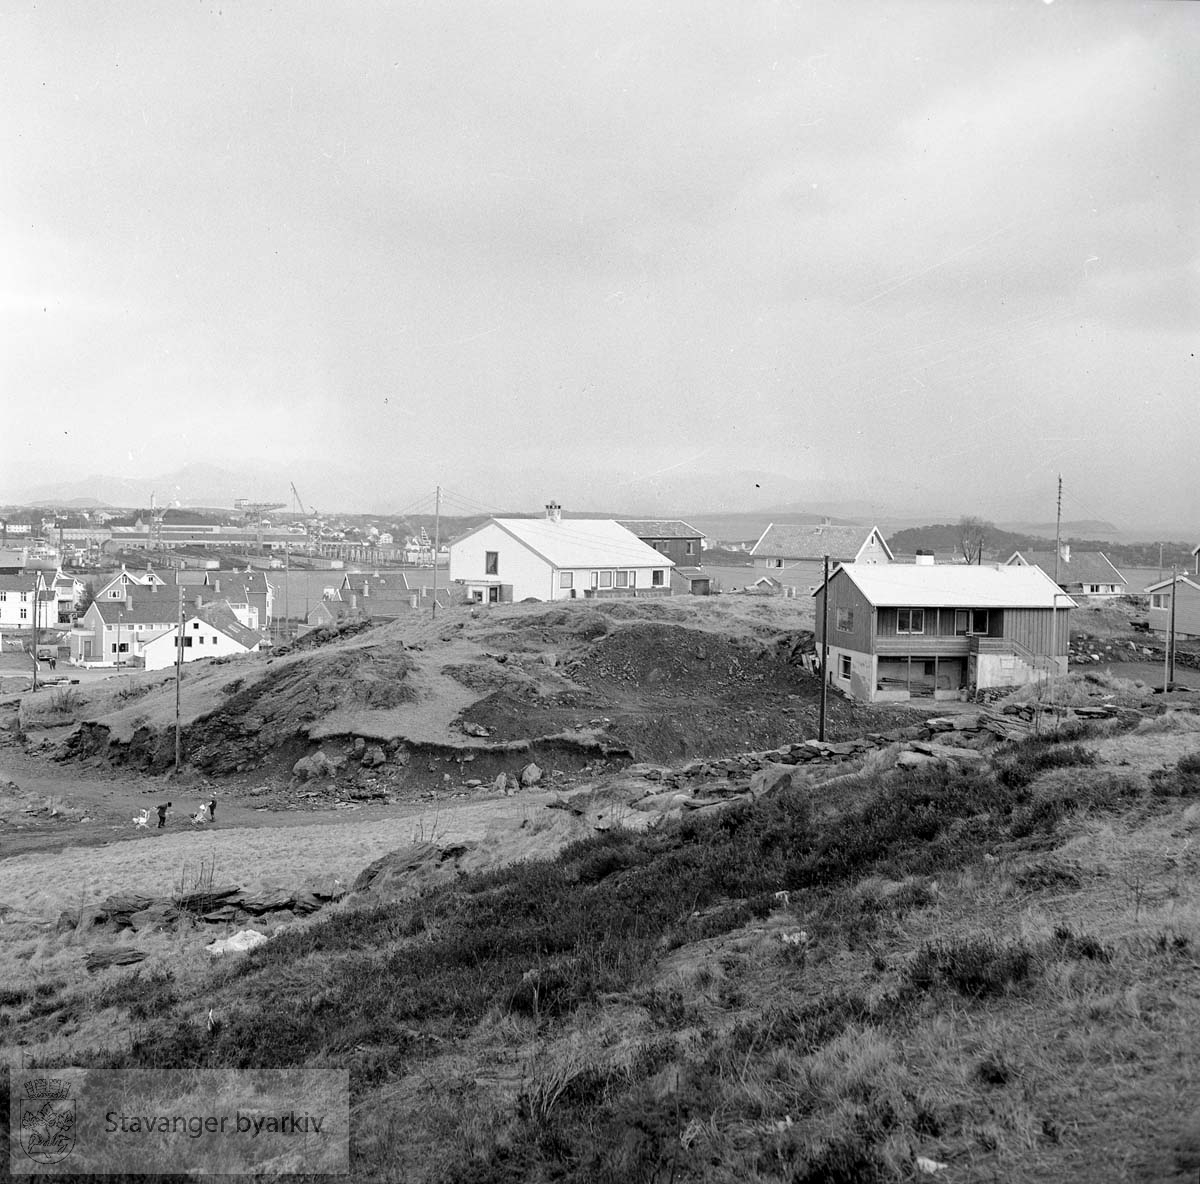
916 254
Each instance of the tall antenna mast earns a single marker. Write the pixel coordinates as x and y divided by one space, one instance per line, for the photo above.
437 538
1058 530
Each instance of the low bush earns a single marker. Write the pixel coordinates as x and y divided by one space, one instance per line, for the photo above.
976 965
1180 780
1029 760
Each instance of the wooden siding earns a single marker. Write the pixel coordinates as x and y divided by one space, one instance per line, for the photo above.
843 593
1034 629
1187 612
923 646
939 622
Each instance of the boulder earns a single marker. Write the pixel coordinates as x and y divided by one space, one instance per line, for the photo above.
121 906
914 760
121 956
159 915
530 775
410 870
771 779
264 899
501 782
309 768
374 756
238 943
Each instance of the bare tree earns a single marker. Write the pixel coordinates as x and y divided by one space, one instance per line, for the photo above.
972 535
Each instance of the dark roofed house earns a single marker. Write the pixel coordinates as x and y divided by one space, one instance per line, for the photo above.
795 554
1080 573
671 537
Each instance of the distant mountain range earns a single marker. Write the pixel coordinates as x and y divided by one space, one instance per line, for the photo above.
730 505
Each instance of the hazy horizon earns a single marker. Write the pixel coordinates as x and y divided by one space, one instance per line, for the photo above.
919 257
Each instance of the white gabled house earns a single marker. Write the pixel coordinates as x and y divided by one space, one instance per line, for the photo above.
513 559
210 632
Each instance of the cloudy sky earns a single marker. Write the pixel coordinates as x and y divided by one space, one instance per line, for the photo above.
915 254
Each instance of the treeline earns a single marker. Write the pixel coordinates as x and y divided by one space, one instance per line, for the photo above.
946 539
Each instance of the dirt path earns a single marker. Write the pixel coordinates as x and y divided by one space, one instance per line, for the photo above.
271 848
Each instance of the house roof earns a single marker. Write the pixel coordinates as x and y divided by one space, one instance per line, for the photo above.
220 616
13 582
579 542
1084 567
249 581
149 610
660 528
1159 585
789 541
965 586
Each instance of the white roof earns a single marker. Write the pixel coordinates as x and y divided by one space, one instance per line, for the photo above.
1161 584
956 586
581 542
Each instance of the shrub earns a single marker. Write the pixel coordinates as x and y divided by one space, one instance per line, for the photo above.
65 701
976 966
1183 780
1036 755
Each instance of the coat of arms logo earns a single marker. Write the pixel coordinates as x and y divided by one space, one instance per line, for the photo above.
47 1120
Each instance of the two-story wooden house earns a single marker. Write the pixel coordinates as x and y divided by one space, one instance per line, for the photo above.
1084 573
901 631
795 554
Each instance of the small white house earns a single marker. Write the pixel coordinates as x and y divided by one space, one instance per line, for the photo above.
513 559
210 632
17 601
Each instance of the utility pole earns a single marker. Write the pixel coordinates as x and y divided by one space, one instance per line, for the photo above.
35 632
178 680
1058 531
119 617
1170 654
437 539
824 649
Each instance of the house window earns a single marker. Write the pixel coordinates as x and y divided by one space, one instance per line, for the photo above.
3 595
845 665
845 620
968 621
689 548
491 563
566 579
595 579
187 641
606 579
910 620
195 624
776 562
1160 600
24 614
656 577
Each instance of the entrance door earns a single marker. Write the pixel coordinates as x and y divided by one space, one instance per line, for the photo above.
493 595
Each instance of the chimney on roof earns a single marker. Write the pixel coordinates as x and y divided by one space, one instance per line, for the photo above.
1064 552
924 559
553 512
128 601
217 587
366 588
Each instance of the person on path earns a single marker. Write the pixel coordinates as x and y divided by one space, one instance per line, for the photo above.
212 810
53 663
162 815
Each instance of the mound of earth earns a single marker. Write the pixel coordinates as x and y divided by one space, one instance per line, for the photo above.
269 716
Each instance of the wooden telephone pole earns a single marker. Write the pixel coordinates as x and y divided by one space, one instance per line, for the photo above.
824 649
178 680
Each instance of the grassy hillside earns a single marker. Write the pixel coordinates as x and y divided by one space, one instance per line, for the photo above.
991 969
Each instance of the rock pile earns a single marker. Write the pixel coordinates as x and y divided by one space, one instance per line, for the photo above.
211 904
